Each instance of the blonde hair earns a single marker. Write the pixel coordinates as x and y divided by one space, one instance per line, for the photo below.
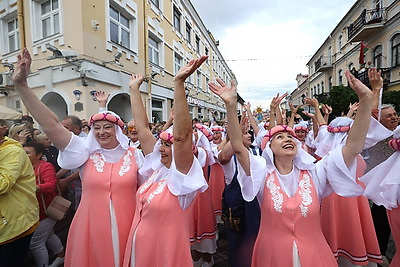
15 129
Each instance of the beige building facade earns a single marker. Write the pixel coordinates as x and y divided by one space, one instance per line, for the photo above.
79 47
373 23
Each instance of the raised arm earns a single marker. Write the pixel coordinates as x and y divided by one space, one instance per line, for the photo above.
182 130
376 82
146 138
42 114
102 99
169 121
293 109
253 122
358 131
229 96
313 102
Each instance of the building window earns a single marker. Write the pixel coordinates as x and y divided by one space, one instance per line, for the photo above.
329 55
177 62
340 42
206 52
396 50
188 33
49 18
378 56
318 89
157 110
198 80
207 82
177 19
322 87
330 84
154 50
13 35
120 28
197 44
156 3
340 77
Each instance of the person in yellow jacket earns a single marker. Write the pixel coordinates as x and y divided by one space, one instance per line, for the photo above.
19 209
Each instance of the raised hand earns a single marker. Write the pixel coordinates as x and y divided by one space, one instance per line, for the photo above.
101 96
293 108
375 79
188 70
135 81
361 89
277 100
326 109
313 102
22 69
308 114
226 93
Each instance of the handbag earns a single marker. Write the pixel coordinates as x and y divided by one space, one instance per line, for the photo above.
58 206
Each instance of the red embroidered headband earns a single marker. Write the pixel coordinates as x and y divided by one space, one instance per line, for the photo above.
339 129
106 116
166 137
217 129
205 131
395 144
275 130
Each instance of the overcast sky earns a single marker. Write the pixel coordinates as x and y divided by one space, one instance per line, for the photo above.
267 43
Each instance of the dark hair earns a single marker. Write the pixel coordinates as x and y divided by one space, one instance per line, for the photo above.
38 147
75 120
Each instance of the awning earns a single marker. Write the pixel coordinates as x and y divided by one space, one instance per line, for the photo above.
9 114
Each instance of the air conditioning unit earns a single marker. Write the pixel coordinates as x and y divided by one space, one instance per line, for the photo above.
5 80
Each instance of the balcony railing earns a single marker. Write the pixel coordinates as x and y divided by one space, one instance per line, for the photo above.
368 22
321 65
385 72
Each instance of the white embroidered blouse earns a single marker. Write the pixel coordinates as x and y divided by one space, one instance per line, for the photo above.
329 175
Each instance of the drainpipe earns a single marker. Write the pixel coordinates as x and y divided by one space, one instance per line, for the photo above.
147 70
22 39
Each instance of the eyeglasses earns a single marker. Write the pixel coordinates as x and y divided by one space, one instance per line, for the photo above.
131 128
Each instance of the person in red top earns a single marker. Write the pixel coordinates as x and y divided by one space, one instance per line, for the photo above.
46 181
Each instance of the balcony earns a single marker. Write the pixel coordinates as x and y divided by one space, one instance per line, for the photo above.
321 65
363 77
367 24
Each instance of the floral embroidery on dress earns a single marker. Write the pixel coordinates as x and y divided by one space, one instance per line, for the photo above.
98 162
126 165
305 192
160 188
147 183
277 197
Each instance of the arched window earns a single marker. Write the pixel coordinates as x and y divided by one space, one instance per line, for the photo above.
378 56
395 44
340 77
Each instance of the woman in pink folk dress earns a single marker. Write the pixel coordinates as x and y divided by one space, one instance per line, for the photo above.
159 235
347 222
289 186
383 188
108 167
203 228
217 181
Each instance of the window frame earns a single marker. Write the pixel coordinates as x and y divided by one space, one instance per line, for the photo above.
176 18
152 37
120 26
395 50
14 33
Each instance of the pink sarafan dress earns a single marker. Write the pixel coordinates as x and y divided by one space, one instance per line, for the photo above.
108 193
217 186
348 227
160 230
290 227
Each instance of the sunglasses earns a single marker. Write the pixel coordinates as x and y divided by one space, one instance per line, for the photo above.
131 128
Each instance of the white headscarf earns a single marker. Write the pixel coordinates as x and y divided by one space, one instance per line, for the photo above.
93 146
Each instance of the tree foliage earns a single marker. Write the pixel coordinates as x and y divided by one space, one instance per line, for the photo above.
392 97
339 99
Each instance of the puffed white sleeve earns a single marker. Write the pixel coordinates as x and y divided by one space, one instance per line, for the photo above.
252 185
75 153
331 174
229 170
183 184
140 161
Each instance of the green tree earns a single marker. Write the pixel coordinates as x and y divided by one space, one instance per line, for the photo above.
339 99
392 97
